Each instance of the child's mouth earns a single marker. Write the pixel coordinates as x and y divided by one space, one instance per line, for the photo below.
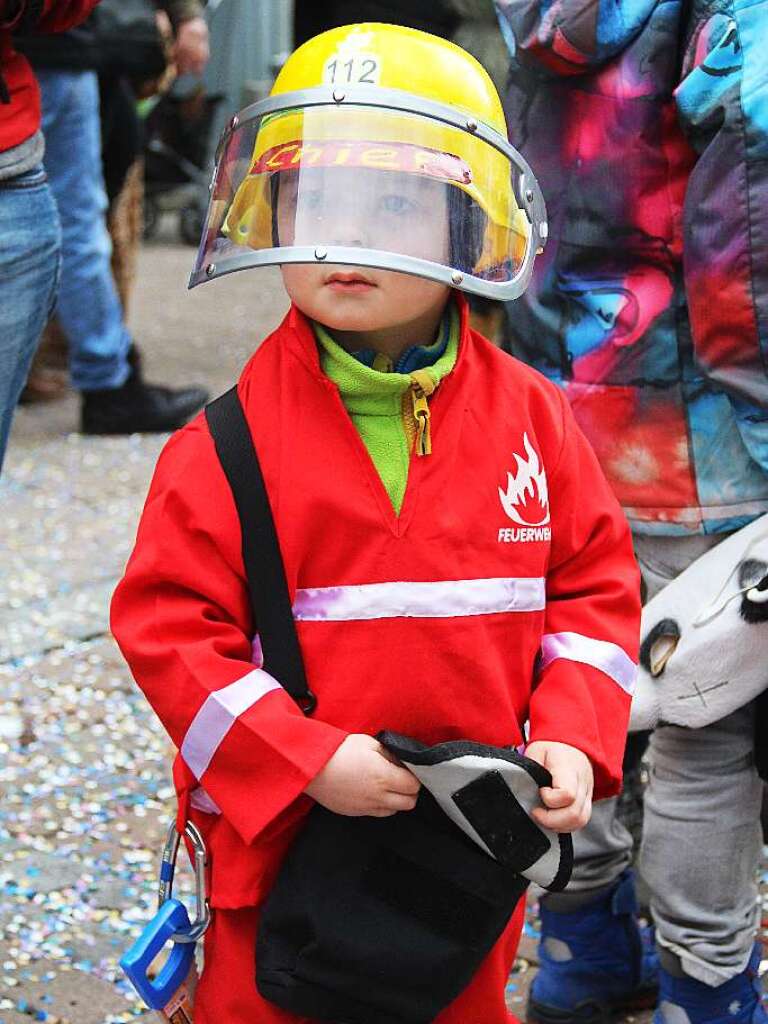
349 283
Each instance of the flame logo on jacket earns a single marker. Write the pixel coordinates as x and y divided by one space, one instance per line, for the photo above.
526 499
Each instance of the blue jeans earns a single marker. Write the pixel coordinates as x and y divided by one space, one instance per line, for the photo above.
30 243
88 308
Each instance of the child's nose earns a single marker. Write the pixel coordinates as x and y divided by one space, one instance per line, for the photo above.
350 230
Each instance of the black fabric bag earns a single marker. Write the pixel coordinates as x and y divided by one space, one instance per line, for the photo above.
371 920
380 920
128 40
120 38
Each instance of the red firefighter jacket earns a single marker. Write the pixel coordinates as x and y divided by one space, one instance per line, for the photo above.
20 104
505 591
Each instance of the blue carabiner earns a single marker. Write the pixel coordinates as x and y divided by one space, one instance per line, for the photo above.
170 919
167 870
170 924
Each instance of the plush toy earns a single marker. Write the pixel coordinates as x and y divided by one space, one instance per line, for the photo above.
704 649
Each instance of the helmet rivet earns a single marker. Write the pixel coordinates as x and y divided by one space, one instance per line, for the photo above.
544 230
338 96
234 122
457 277
472 125
210 270
529 195
320 253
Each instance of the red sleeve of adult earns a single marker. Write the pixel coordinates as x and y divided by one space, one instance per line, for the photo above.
182 619
589 651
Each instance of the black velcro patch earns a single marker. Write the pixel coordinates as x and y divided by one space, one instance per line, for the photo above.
490 807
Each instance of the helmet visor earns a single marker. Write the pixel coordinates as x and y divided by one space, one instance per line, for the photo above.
380 187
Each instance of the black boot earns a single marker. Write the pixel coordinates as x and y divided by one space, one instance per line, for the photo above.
138 407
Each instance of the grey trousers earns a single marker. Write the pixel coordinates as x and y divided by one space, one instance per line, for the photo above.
702 839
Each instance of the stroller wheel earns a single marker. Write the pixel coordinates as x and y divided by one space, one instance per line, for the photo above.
151 217
191 224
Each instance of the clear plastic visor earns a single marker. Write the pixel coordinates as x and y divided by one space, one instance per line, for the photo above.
395 186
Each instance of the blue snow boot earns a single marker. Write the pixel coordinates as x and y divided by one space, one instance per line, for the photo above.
687 1001
594 961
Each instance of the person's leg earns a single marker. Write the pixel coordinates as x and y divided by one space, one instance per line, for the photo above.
740 1000
125 223
593 956
88 308
104 364
602 851
29 261
701 848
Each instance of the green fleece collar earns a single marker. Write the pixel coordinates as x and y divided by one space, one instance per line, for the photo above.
366 391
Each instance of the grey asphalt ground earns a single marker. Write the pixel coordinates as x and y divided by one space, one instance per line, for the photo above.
85 794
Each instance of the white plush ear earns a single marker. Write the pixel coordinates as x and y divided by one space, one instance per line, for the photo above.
489 793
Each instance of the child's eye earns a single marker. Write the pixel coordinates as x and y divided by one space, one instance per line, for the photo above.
397 204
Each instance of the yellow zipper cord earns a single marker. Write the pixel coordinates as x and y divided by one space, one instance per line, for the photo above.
422 387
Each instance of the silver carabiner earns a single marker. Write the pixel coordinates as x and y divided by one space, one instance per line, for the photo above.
167 870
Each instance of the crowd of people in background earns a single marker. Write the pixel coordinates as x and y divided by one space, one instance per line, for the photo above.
79 95
647 127
63 89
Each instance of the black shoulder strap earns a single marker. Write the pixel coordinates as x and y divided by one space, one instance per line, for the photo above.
268 590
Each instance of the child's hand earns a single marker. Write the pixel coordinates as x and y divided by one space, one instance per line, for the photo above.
362 777
569 798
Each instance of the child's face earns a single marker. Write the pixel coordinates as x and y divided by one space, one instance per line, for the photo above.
345 298
399 213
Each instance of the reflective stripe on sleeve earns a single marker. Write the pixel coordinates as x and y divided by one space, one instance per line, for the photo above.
218 714
444 599
202 801
600 654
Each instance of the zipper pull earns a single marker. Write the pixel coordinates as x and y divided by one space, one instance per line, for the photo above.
421 415
422 386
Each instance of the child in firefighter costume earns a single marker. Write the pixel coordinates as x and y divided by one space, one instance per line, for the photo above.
456 562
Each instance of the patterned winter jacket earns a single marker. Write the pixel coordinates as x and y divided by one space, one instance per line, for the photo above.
646 122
